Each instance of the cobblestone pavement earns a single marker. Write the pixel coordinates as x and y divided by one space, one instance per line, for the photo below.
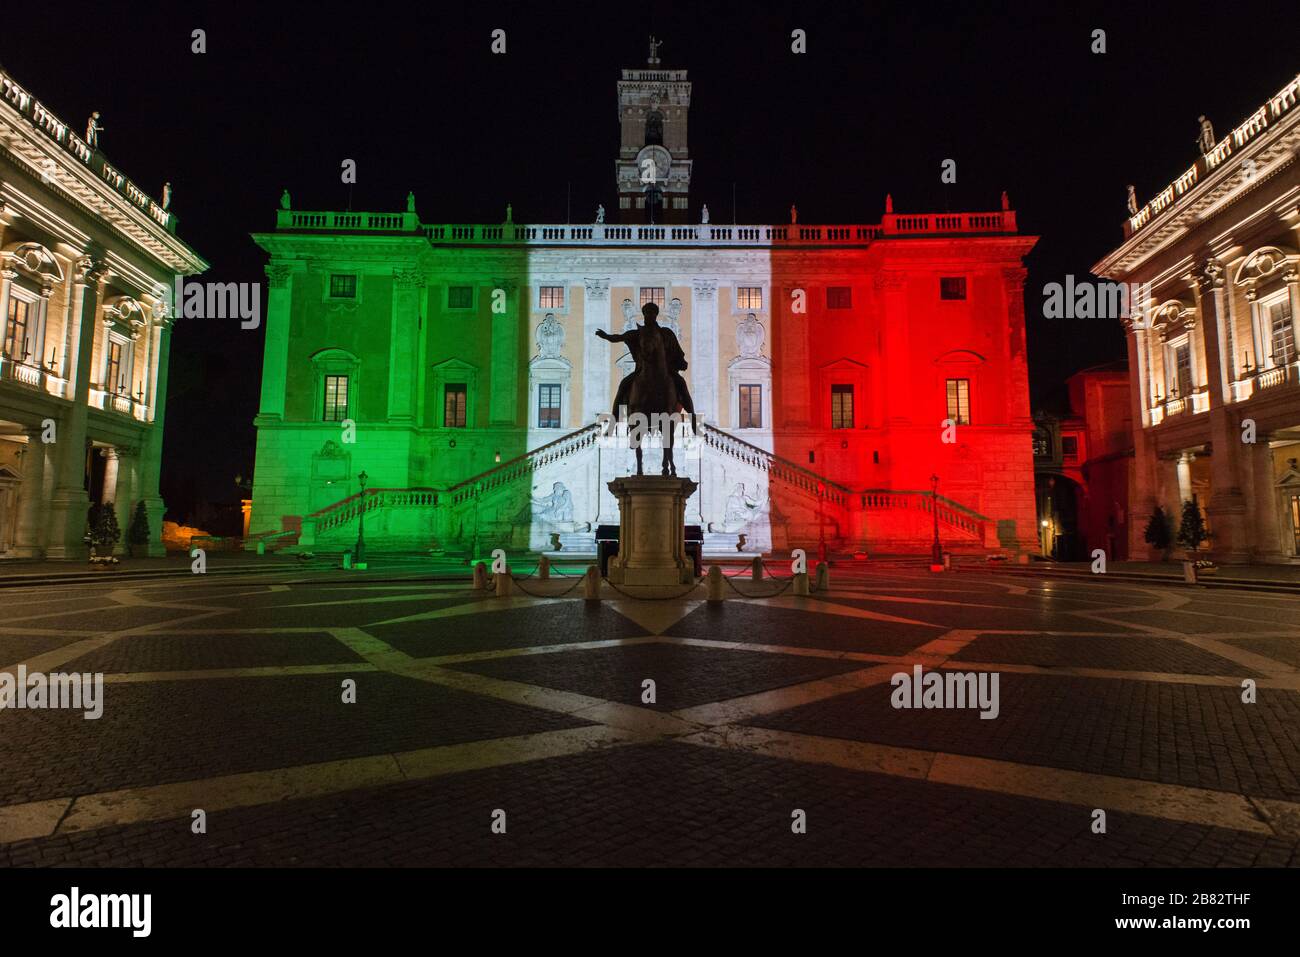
355 719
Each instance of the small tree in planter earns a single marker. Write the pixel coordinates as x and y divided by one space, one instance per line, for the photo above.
103 533
1158 534
1191 533
137 535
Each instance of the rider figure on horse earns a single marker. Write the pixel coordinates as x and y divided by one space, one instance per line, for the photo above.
656 386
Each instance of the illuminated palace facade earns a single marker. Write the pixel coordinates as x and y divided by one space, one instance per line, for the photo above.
1214 367
85 256
457 366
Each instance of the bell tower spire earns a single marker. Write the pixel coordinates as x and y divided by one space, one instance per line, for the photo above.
653 169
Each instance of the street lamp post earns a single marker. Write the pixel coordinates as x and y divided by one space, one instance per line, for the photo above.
361 523
936 550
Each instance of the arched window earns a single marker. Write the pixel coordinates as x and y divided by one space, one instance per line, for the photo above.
654 128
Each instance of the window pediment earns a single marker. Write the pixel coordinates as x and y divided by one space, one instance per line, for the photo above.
960 357
1265 265
35 260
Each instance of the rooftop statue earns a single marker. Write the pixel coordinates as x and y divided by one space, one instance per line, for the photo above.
93 129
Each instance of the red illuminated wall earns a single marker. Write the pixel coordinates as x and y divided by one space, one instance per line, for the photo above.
897 346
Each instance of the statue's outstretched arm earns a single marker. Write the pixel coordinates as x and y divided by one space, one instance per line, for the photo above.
616 337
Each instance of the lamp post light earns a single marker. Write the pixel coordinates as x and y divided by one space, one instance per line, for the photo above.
360 524
936 550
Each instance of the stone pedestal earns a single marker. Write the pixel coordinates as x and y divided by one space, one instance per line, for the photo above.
652 531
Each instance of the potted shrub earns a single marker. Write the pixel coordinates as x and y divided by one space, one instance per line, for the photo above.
103 534
137 535
1158 533
1191 533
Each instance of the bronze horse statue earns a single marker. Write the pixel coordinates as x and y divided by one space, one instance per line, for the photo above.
655 388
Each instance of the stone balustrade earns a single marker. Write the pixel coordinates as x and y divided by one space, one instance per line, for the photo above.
702 234
61 133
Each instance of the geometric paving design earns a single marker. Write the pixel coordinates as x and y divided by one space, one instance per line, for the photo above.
226 695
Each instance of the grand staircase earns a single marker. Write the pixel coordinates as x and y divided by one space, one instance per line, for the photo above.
493 509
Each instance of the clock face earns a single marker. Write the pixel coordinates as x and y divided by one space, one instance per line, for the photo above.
661 159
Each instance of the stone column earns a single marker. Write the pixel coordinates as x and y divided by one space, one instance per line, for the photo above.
404 347
793 377
900 404
595 353
151 454
1018 366
1257 337
503 380
109 492
1183 467
29 539
69 502
1144 482
7 277
275 352
1227 505
1292 280
1266 537
704 348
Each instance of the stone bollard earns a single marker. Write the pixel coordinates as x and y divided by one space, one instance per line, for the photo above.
713 583
756 574
801 583
504 584
347 561
947 562
823 576
480 576
261 547
544 568
591 584
1189 573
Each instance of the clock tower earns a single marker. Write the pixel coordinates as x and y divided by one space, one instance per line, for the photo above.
653 168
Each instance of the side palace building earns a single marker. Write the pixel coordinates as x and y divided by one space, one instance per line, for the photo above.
838 368
1214 368
86 262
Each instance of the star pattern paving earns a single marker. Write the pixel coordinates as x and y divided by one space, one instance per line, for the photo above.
227 695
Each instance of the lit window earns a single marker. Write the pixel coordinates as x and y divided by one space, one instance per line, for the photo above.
16 329
336 398
952 287
959 401
1279 317
1183 370
113 370
749 297
841 407
1042 443
460 297
548 406
552 297
343 286
751 407
839 297
653 294
455 402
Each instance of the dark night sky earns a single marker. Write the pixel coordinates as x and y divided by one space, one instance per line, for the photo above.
884 94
